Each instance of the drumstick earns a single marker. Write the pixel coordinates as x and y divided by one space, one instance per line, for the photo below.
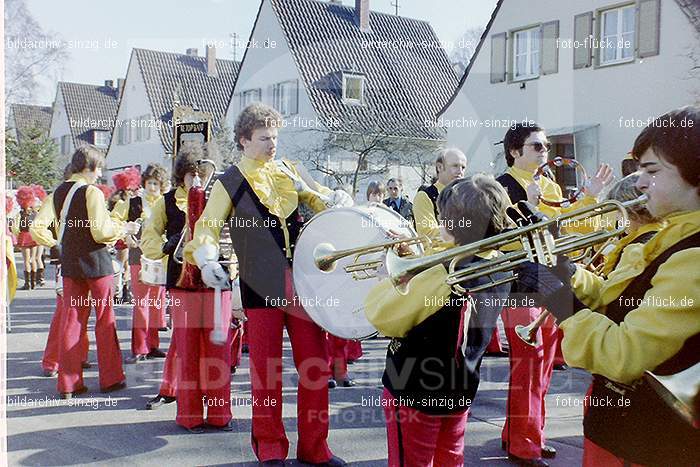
217 335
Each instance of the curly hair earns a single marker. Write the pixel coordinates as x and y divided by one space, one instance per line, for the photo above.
154 171
186 162
256 115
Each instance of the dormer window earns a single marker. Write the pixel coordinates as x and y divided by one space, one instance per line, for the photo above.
100 138
353 88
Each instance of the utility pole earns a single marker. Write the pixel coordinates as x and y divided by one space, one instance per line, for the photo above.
397 5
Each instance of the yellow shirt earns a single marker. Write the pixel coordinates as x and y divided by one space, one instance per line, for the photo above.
552 191
153 235
426 223
657 328
104 229
274 189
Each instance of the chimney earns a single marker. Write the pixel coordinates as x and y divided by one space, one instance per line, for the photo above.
191 52
120 85
211 60
362 15
109 83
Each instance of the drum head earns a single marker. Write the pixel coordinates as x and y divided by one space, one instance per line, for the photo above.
335 299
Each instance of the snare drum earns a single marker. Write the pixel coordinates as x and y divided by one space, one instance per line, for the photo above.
153 271
335 299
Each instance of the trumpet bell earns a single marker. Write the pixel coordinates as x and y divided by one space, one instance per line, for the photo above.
526 335
323 257
679 391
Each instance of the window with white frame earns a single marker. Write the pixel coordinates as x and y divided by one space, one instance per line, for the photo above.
284 97
617 27
250 96
353 88
100 138
526 54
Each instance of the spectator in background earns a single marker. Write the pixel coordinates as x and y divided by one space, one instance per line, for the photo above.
376 191
397 201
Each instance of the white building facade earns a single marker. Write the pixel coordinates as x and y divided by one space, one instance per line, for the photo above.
591 72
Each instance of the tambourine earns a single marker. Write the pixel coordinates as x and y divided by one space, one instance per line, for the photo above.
563 162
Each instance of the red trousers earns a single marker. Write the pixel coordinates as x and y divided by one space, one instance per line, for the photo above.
77 301
168 384
265 326
595 456
416 439
204 368
495 343
149 303
530 375
236 338
337 360
53 343
558 355
353 350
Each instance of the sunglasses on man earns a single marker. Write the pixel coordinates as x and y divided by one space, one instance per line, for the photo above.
539 146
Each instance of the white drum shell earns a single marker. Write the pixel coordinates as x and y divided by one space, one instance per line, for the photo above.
334 299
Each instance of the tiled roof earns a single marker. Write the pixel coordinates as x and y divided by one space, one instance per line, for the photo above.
169 74
31 116
405 86
88 107
691 8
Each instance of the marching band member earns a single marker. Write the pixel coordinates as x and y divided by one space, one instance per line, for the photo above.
127 185
10 256
149 300
260 199
40 195
438 341
49 362
450 165
86 269
526 148
197 369
645 315
21 225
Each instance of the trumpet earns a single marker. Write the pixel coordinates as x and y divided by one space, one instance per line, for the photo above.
538 246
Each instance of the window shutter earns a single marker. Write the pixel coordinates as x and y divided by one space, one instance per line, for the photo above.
270 98
549 55
583 33
648 20
498 58
294 98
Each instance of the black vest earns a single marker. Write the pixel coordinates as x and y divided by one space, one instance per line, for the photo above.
175 222
427 368
433 193
135 210
515 191
646 431
258 240
81 256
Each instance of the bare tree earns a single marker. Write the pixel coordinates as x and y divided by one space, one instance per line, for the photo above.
351 157
30 52
464 49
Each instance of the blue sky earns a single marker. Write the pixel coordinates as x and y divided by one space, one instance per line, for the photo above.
101 34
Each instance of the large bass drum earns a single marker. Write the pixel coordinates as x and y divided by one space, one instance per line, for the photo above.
335 299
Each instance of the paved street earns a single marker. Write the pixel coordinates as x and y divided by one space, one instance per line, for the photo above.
116 430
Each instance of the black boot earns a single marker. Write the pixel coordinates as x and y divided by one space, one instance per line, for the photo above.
40 277
26 281
32 278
